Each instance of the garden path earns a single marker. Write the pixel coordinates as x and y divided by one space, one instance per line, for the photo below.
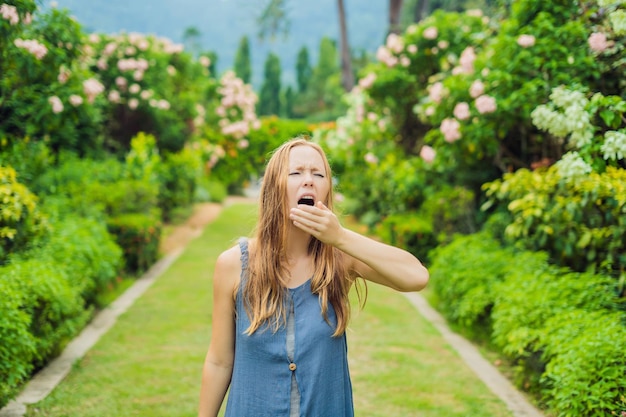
173 245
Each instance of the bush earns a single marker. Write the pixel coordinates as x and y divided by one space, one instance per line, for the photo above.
179 174
138 235
20 219
563 331
580 223
87 252
17 344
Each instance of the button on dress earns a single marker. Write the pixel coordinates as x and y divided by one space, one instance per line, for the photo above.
261 384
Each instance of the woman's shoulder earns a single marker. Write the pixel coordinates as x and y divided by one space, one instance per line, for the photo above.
229 264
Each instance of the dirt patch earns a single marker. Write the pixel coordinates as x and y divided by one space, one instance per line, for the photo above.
203 214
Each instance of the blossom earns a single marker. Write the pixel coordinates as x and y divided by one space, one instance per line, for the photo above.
597 42
56 103
385 56
395 43
114 96
370 158
526 41
435 92
133 103
171 70
28 19
204 61
405 61
121 82
477 89
572 166
461 111
430 33
485 104
467 60
32 46
75 100
64 75
10 13
243 144
427 154
412 49
367 81
92 88
450 130
614 146
443 44
134 88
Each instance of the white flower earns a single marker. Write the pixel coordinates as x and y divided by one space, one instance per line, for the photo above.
614 146
572 166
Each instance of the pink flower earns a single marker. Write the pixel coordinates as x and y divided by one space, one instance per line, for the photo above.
427 154
243 144
367 81
28 19
435 92
405 61
92 88
114 96
10 13
32 46
56 103
370 158
526 41
133 103
75 100
430 33
395 43
204 61
64 75
597 42
385 56
450 130
412 49
486 104
461 111
467 60
477 89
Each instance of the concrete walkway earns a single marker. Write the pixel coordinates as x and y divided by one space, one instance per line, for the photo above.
47 379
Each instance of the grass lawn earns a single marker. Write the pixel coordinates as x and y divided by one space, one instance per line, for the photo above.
149 364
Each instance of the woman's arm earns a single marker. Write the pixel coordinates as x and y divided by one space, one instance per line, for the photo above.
372 260
218 364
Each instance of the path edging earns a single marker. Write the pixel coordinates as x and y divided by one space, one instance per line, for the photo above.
489 374
49 377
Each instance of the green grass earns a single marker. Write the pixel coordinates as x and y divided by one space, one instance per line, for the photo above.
149 364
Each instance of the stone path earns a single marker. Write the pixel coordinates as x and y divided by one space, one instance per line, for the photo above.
47 379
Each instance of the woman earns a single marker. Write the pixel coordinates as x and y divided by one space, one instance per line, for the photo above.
281 303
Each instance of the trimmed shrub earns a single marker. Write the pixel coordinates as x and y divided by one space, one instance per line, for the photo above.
138 235
20 219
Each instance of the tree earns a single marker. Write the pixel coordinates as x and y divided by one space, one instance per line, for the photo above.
243 67
191 40
395 7
269 100
273 20
347 76
303 69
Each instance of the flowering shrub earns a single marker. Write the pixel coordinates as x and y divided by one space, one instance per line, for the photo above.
151 86
45 91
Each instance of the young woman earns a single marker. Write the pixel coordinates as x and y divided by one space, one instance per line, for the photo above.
281 304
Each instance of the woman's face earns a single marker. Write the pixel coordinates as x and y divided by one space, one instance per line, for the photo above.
308 178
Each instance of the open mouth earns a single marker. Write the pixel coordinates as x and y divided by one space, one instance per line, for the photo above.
307 200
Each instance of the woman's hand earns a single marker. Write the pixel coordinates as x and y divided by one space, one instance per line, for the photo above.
319 221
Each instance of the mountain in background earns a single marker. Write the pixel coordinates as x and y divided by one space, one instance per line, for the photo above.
222 24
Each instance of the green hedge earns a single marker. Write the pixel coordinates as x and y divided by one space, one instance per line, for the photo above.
562 331
138 235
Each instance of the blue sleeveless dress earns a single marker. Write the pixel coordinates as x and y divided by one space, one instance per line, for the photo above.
265 363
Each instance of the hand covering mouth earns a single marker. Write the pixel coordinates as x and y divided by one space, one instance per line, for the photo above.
307 199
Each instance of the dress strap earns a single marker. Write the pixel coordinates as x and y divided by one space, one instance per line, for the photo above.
243 245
